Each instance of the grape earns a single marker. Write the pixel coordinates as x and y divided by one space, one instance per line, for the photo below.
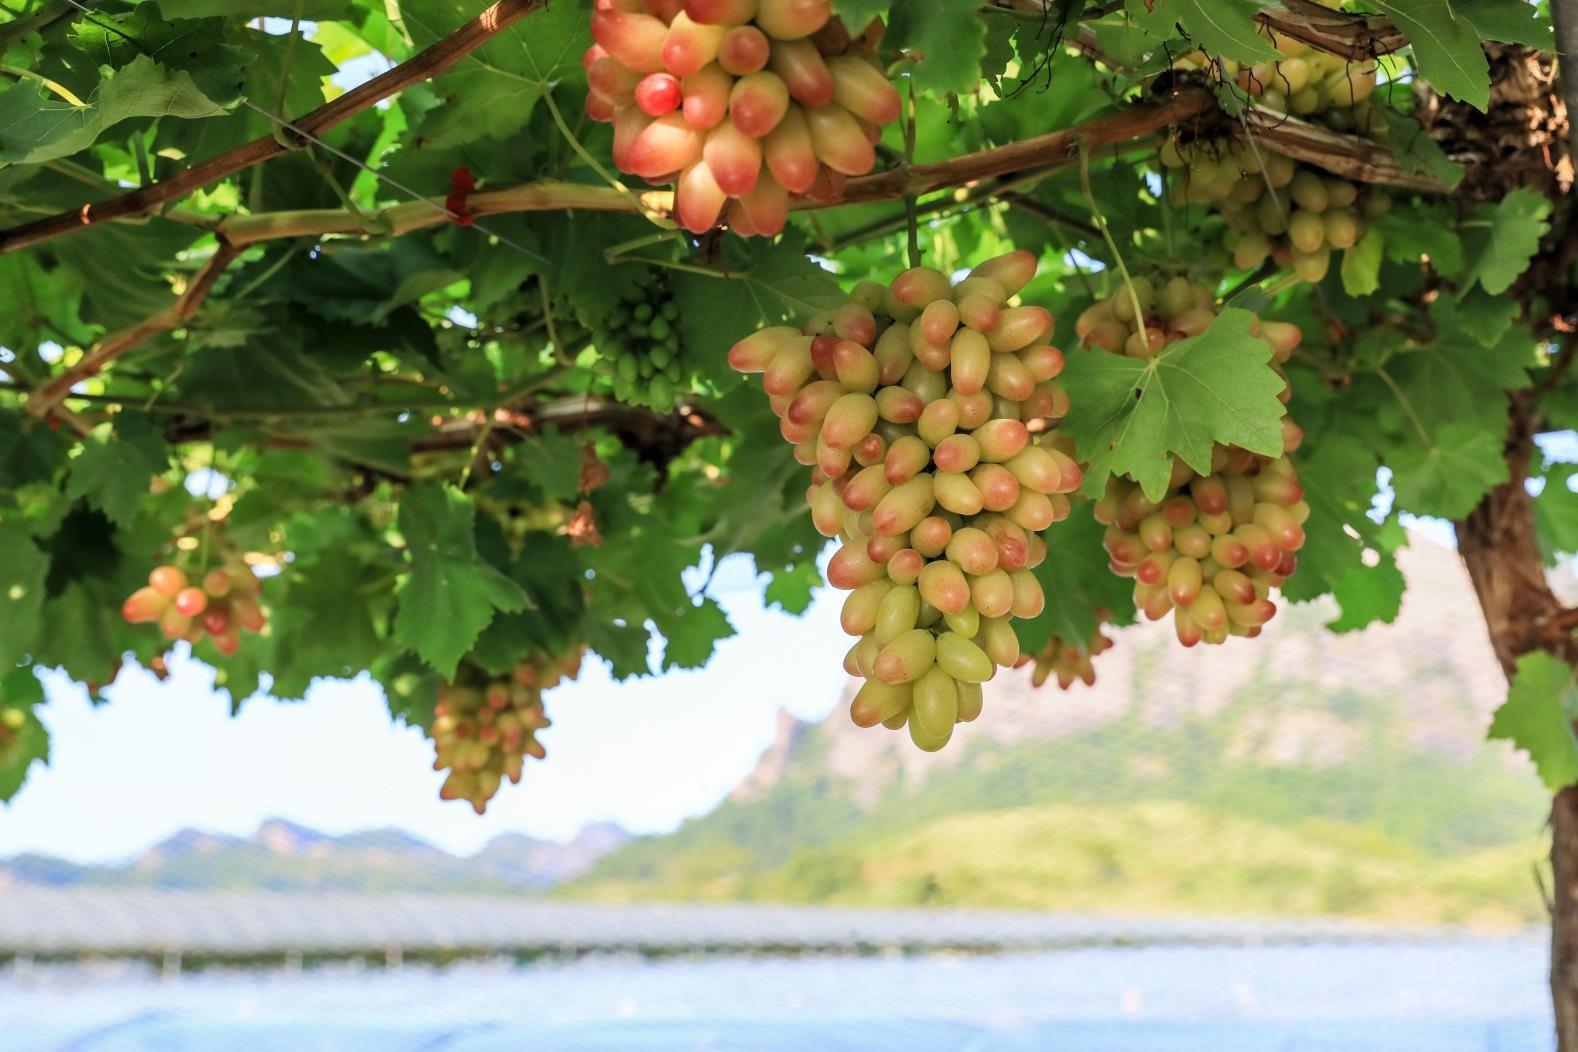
640 356
1293 220
718 95
1069 662
935 468
225 604
484 726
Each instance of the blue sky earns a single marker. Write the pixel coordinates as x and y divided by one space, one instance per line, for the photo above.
158 757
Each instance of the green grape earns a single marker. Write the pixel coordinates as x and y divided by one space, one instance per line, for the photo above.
639 358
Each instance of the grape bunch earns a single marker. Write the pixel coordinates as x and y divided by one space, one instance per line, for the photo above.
1069 661
485 726
1212 549
739 102
1275 207
640 360
222 606
914 405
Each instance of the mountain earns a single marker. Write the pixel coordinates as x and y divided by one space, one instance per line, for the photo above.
283 856
1304 773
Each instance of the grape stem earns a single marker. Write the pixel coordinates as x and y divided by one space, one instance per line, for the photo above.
592 162
911 202
1100 219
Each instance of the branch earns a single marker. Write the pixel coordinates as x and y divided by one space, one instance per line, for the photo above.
1351 156
47 397
423 66
1354 37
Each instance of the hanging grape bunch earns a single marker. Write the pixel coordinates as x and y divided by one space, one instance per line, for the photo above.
640 359
1069 661
910 403
1212 549
739 102
1274 207
484 726
223 604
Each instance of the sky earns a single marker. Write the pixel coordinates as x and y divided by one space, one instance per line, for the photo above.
160 757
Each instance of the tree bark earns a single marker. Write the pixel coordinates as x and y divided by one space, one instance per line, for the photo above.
1498 545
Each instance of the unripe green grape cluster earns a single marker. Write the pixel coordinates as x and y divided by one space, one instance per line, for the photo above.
221 605
1068 661
484 726
640 357
1274 207
741 103
1212 549
922 409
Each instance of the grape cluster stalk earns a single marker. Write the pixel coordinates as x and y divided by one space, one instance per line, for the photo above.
640 359
484 726
1274 207
741 103
1213 548
221 606
921 408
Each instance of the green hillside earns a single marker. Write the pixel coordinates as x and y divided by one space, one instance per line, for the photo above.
1306 784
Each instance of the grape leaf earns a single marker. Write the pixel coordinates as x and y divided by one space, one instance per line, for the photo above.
315 10
1361 264
1413 234
859 13
1537 717
1512 21
30 450
792 588
450 595
1222 28
692 637
1446 46
1449 476
1500 239
22 574
946 41
1484 317
325 622
20 689
37 125
1368 594
1417 152
1134 415
115 466
1556 516
495 90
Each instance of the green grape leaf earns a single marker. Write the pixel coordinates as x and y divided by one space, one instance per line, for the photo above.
1484 317
1417 152
22 573
1538 715
450 595
30 450
495 91
1223 28
83 631
1367 595
693 636
1501 238
324 621
1448 477
946 41
625 645
858 13
1413 234
1361 264
21 690
1511 21
37 124
1134 415
1446 46
314 10
115 466
1556 515
792 588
